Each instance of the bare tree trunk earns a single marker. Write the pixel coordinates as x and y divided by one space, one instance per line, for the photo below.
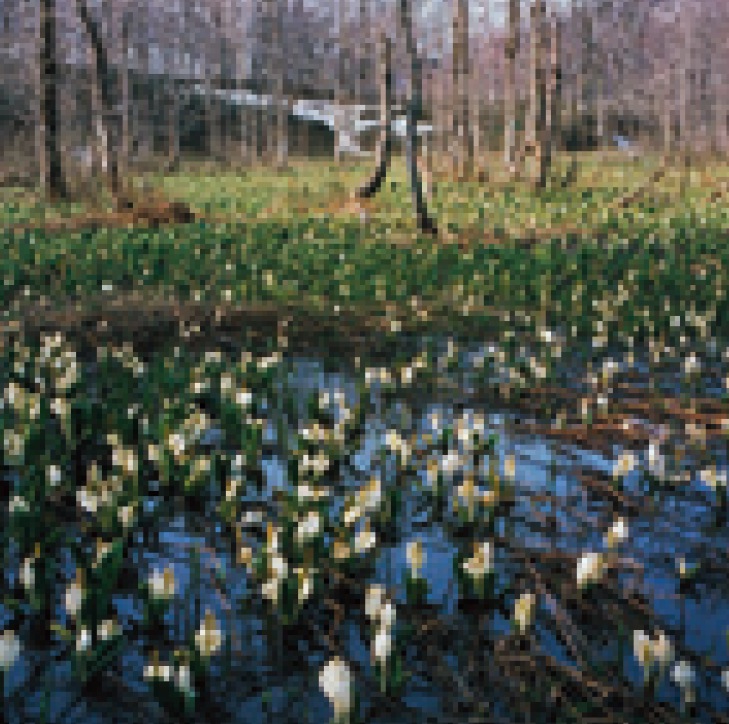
215 105
52 180
535 150
460 126
684 96
554 93
102 70
125 140
282 105
425 223
173 127
341 80
511 51
99 157
384 146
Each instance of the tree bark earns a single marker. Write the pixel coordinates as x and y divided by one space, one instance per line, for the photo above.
53 182
460 123
554 93
414 103
536 155
125 141
511 51
279 90
384 145
101 63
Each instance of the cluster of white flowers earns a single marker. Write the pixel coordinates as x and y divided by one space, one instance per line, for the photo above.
181 676
317 464
714 479
649 651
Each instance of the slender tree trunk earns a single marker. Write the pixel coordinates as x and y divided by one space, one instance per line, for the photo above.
384 146
460 125
52 179
102 70
341 80
125 140
282 105
99 157
536 127
511 51
554 94
173 127
425 223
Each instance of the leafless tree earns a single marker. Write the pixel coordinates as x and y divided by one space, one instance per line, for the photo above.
52 179
511 50
102 71
426 224
460 125
384 146
535 147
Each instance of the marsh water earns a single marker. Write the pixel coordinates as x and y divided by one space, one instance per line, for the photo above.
455 651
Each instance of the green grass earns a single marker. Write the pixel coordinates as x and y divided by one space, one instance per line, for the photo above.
273 240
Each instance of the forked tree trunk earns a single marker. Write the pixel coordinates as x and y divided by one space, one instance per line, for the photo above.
51 170
425 223
384 145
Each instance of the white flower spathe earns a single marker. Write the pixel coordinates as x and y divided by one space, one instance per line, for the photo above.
416 557
53 475
83 640
387 615
374 598
162 583
209 637
590 569
308 528
617 534
524 611
382 646
684 676
335 680
365 540
27 573
9 649
73 598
